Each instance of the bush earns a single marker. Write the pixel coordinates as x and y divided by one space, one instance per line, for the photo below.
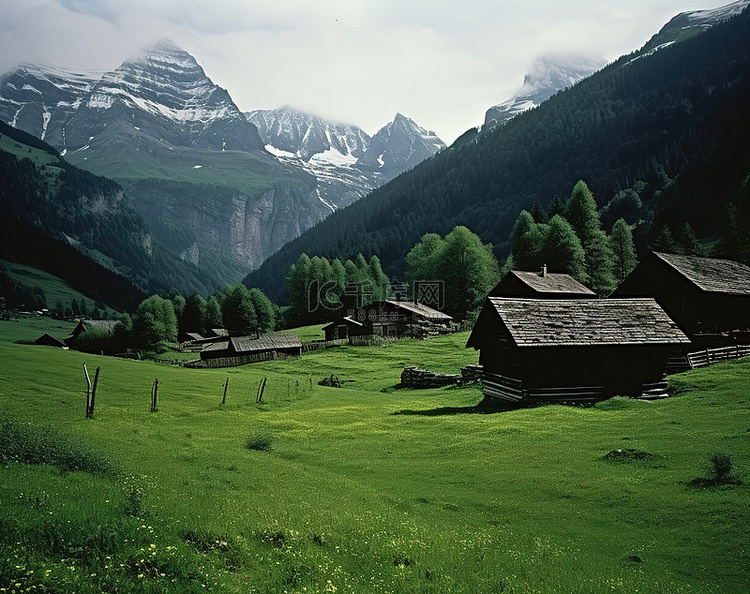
259 442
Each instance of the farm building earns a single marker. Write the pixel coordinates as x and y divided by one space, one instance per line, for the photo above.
49 340
709 298
270 346
573 349
541 285
83 326
385 318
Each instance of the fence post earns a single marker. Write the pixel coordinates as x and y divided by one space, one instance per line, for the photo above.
261 389
88 390
90 411
224 398
154 389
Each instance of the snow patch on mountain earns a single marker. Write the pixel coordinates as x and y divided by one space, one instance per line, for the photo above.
547 76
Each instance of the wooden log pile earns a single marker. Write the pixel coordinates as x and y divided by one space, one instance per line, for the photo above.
414 377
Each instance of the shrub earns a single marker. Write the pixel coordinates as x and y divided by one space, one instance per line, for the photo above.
260 442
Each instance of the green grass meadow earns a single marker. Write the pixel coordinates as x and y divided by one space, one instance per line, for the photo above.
364 488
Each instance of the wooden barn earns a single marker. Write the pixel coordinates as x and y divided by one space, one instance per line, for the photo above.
49 340
83 326
385 318
268 346
709 298
541 285
573 349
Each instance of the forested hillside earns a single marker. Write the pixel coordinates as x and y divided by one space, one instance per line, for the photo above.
659 137
86 211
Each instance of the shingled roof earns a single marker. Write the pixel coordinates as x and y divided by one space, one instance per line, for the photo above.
551 282
421 310
712 275
586 322
269 342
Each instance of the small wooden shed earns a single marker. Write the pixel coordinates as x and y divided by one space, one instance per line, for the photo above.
541 285
707 297
344 328
573 349
270 345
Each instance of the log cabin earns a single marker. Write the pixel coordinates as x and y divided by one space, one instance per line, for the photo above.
541 285
709 298
573 349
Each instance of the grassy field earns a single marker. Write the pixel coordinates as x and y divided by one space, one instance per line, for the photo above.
365 488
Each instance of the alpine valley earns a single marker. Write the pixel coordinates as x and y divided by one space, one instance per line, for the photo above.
212 190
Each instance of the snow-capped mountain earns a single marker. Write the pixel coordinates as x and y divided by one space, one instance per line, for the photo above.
547 76
345 160
688 24
398 146
189 160
305 135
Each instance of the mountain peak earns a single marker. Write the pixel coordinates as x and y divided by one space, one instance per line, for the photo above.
547 75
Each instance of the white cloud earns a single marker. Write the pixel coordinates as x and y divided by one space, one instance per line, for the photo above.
440 62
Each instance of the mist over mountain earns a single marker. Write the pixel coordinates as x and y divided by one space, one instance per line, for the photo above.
547 76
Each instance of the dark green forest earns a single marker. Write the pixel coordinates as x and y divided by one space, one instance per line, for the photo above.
660 139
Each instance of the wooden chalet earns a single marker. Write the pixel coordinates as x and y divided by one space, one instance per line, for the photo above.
709 298
385 318
541 285
265 347
83 326
573 349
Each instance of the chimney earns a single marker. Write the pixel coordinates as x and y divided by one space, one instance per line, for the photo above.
544 271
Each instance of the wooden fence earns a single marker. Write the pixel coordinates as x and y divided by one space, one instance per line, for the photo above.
237 360
709 356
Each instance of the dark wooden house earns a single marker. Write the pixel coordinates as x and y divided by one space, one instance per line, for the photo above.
573 349
270 346
83 326
541 285
49 340
709 298
385 318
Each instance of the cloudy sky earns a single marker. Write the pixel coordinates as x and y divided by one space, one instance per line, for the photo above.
440 62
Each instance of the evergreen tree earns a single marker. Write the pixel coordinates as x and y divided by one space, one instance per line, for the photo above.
263 310
238 310
381 282
622 245
537 212
298 287
689 242
556 207
665 242
527 242
733 242
563 250
194 315
599 258
213 314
